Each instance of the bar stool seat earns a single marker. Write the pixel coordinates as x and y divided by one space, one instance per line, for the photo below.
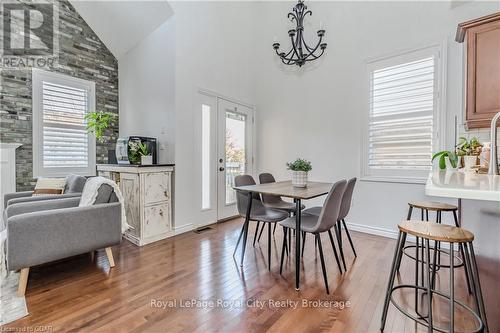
429 231
433 206
436 232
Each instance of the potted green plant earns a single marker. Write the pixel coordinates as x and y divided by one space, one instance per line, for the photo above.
443 155
98 122
300 168
469 150
139 153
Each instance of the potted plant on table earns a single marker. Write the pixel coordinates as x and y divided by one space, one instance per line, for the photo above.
139 153
300 168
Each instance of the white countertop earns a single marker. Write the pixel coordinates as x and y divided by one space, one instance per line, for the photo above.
463 185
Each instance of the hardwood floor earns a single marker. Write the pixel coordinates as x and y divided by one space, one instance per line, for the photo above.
80 295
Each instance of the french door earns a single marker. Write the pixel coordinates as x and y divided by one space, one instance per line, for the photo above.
225 143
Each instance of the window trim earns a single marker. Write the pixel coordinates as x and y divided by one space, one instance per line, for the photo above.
38 76
439 129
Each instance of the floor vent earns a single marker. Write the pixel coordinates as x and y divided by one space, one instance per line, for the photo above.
202 230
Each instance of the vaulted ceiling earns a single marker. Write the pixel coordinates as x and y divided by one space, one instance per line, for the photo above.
121 25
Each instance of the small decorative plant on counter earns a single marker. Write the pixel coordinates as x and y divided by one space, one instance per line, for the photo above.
443 155
300 168
98 122
469 150
139 153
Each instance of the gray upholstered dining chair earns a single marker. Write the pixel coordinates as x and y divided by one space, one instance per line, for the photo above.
258 212
344 211
317 224
273 201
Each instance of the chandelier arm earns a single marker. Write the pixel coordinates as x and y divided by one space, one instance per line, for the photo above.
293 17
307 46
294 47
316 57
314 50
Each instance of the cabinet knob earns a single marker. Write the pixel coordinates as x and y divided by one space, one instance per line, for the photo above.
165 193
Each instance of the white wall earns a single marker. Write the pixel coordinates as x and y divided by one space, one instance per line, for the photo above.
213 51
146 76
316 112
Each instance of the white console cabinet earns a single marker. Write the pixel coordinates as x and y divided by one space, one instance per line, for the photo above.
147 191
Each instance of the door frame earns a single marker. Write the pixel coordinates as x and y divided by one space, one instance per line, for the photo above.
253 162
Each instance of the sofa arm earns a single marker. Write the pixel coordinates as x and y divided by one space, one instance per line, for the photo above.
42 198
10 196
37 206
41 237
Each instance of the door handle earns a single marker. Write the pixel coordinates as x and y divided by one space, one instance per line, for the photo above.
221 169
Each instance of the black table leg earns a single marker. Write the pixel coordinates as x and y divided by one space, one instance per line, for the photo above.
247 222
297 243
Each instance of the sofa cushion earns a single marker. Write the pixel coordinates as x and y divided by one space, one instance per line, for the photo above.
103 194
75 183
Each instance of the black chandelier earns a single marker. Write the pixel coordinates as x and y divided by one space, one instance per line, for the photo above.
300 52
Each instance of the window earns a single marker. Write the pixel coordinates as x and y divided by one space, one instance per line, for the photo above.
205 156
61 144
403 114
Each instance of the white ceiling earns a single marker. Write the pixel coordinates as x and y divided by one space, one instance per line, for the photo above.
121 25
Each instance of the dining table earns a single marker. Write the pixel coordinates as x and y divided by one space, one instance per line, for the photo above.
287 190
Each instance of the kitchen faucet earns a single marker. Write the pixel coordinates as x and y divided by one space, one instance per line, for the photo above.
493 168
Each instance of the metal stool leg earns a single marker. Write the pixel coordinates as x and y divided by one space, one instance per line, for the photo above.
395 260
477 282
429 289
462 255
452 289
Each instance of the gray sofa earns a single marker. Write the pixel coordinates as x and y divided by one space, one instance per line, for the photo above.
47 230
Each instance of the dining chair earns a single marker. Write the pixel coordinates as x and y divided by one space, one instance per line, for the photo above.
274 201
258 213
317 224
344 211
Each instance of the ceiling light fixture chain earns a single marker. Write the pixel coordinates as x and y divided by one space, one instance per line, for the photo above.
300 52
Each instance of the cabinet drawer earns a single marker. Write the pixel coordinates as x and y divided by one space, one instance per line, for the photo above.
156 187
156 220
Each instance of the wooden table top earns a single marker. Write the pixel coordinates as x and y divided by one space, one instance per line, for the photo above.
285 189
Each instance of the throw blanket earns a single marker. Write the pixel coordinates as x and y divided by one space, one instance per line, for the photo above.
89 194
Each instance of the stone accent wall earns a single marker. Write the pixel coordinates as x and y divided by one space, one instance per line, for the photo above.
82 55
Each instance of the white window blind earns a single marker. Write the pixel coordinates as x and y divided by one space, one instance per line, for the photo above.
60 103
402 115
65 142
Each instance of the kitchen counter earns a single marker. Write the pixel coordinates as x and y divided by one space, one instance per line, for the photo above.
463 185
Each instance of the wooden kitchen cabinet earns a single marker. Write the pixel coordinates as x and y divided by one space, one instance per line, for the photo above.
482 37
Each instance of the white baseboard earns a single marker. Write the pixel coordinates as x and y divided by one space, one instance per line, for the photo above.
184 228
384 232
367 229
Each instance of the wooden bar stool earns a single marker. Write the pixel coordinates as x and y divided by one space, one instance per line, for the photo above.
428 231
439 208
